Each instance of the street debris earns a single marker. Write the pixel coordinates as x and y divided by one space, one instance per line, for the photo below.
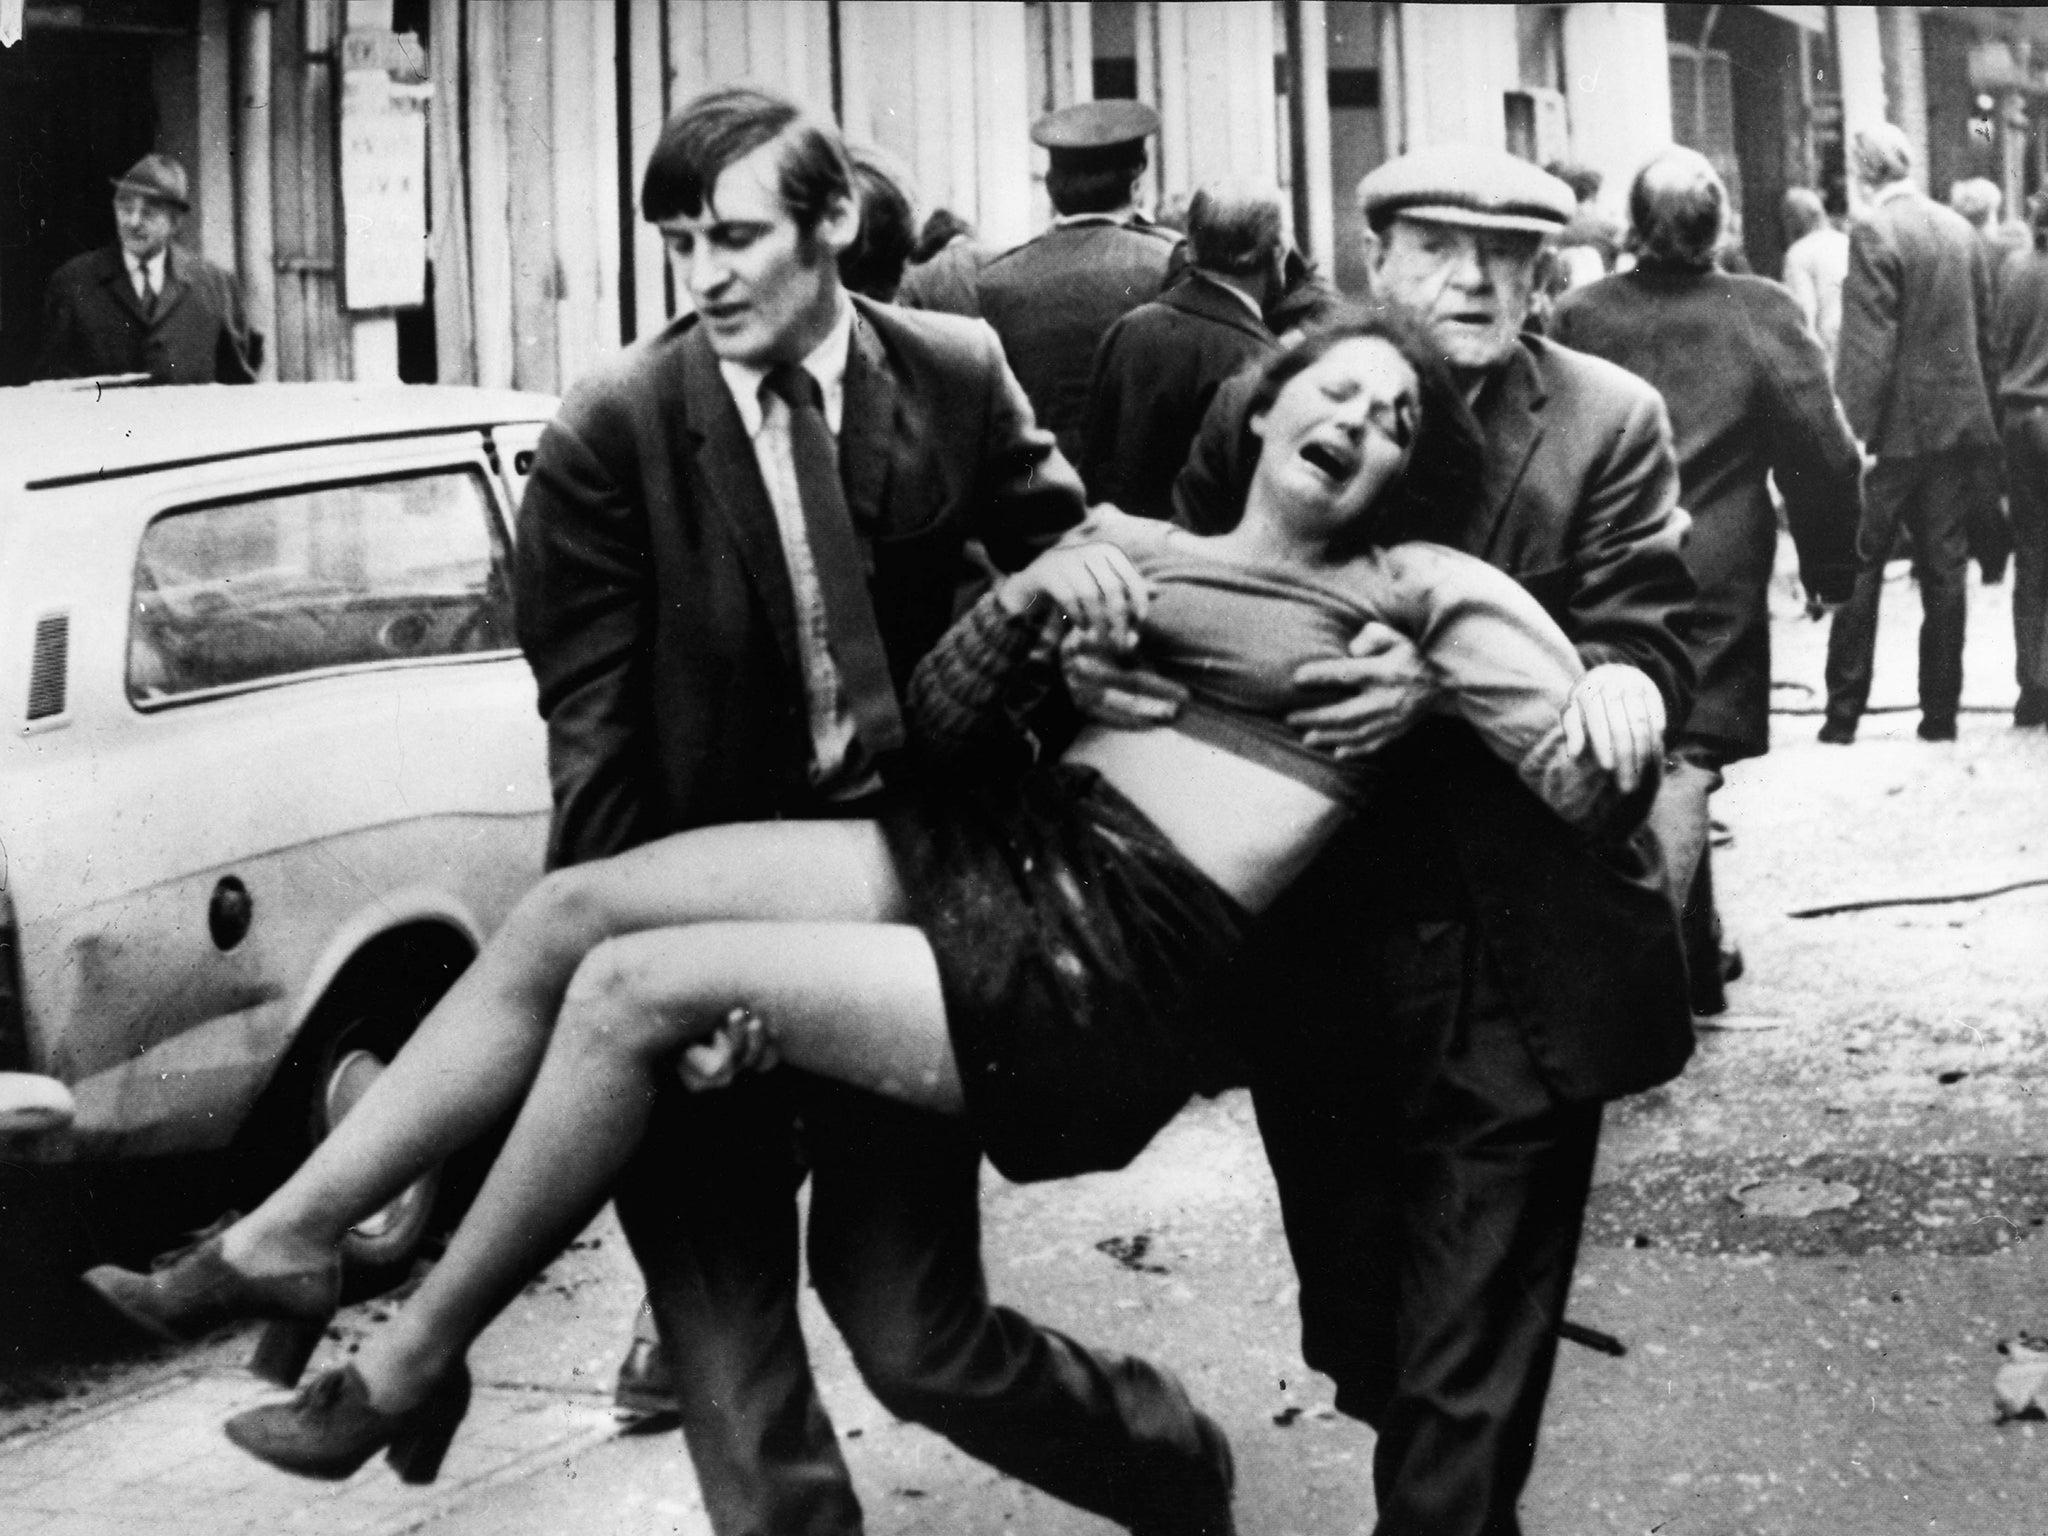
2022 1382
1796 1196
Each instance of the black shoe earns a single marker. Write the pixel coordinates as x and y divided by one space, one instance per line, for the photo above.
1838 733
1203 1511
1937 728
1732 965
1994 574
330 1429
2032 708
645 1386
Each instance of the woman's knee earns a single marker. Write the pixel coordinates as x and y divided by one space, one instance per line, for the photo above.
620 1002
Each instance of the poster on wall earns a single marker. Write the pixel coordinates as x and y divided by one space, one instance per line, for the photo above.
384 99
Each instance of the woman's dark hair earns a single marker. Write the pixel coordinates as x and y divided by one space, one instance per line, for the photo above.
1435 495
940 230
873 265
720 127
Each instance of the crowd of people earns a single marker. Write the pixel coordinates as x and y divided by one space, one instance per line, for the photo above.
992 697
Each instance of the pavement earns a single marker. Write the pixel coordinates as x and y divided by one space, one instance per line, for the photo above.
1816 1370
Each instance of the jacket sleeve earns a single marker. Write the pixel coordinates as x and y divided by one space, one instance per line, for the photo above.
1631 600
1814 458
1208 494
1027 493
239 351
1870 329
1981 290
585 609
61 352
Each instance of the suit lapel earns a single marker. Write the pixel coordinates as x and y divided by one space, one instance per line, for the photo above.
114 278
173 289
867 428
735 493
1511 417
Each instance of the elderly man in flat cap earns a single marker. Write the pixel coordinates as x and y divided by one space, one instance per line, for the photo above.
1443 1004
144 305
1052 298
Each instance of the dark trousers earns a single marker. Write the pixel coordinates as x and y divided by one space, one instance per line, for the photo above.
895 1254
2026 453
1433 1190
1933 497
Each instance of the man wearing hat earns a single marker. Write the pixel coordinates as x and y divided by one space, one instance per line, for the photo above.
144 305
1440 1007
1052 298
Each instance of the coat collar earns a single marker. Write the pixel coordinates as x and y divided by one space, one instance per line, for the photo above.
1510 412
114 276
1196 295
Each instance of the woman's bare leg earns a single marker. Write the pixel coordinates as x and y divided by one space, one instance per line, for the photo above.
471 1059
855 1001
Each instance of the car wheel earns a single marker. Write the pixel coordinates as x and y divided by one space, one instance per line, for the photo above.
384 1241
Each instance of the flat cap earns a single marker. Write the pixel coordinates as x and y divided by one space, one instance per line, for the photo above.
159 177
1465 184
1095 125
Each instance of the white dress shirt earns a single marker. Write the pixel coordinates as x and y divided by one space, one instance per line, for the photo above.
838 770
146 277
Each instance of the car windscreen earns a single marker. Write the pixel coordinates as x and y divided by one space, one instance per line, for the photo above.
368 572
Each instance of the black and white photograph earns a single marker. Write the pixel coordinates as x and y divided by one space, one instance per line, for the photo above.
1023 768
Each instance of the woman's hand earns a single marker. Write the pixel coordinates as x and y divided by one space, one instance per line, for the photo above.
1617 712
1115 690
1387 688
1092 586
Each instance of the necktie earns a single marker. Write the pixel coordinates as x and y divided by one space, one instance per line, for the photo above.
148 296
855 640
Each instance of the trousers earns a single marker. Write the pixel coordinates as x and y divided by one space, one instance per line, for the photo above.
2026 449
1934 497
894 1247
1433 1190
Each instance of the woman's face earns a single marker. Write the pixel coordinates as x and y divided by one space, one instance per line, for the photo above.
1338 433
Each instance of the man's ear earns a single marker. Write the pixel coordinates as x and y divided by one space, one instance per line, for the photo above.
839 225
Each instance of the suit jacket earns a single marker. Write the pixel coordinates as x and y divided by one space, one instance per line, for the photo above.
1155 374
1579 503
653 600
1052 299
93 323
1747 387
1916 346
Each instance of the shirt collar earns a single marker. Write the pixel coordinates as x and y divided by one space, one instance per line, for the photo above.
1070 220
155 264
1250 305
826 363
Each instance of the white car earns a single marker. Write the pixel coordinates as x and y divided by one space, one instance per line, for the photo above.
272 768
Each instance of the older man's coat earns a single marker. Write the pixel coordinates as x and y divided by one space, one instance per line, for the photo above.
197 334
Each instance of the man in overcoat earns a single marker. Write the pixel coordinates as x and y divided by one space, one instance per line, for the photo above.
1746 384
1160 365
1052 298
1916 355
145 304
719 623
1445 1000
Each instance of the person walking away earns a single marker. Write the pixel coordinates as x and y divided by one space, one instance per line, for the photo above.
1747 387
1915 356
146 304
1160 365
2021 330
1816 266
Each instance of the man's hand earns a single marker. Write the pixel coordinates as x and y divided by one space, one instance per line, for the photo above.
1617 712
742 1044
1386 687
1092 586
1113 691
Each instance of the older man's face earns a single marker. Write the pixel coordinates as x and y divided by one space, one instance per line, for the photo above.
1471 287
145 224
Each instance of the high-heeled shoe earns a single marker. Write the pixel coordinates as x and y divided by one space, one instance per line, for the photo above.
330 1429
194 1290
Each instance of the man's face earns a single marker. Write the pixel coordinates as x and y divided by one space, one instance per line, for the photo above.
1471 287
764 291
145 225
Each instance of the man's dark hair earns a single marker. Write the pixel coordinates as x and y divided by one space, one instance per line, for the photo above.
1677 209
1447 464
720 127
1803 212
873 265
1094 180
940 230
1234 228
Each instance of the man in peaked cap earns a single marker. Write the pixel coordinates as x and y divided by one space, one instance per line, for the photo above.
1445 1000
1052 298
142 304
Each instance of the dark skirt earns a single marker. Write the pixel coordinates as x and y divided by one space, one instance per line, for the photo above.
1081 959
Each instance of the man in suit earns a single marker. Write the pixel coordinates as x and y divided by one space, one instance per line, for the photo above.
1052 298
1159 366
144 305
738 539
1916 351
1447 997
1746 384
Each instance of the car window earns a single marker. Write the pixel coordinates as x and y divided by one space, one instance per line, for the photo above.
369 572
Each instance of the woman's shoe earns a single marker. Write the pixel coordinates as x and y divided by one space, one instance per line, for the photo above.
194 1291
330 1429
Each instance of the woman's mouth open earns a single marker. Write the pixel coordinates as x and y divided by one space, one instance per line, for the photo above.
1336 463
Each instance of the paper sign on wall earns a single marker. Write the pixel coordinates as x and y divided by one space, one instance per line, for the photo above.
383 172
